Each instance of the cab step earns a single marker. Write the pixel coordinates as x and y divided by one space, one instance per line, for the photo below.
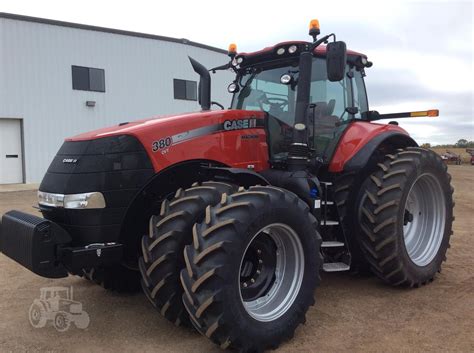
331 244
335 267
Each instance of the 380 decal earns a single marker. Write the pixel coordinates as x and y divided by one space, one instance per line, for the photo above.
161 144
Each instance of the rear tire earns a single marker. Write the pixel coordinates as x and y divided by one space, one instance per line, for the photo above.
236 293
162 248
406 217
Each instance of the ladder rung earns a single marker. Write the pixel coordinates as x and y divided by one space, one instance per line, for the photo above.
329 223
331 244
335 267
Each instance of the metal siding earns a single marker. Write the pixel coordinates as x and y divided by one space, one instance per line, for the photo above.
36 60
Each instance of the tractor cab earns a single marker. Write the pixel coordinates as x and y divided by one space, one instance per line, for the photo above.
268 81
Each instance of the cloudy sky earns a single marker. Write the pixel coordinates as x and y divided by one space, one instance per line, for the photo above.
422 50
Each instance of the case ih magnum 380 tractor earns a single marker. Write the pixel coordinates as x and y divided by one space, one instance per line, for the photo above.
226 217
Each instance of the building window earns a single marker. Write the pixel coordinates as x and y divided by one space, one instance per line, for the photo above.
184 89
88 79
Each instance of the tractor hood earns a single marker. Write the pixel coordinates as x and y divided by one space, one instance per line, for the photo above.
185 121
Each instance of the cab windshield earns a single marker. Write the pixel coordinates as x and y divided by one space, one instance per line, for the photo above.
261 89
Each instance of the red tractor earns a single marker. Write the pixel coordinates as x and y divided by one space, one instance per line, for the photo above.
227 217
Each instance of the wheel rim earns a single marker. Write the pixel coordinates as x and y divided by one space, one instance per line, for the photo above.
271 272
424 219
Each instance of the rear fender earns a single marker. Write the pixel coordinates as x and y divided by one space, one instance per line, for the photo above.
385 142
361 140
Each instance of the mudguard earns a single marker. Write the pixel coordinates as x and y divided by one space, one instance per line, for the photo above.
361 139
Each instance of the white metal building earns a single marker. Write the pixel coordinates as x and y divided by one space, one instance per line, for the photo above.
58 79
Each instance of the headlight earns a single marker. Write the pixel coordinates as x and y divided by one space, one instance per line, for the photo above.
239 59
292 49
281 51
75 201
285 79
233 87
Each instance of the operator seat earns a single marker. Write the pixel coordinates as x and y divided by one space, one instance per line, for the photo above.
325 126
325 122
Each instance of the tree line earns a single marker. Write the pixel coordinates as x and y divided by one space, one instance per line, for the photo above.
461 143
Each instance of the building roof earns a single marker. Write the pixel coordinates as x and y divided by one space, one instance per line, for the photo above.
109 30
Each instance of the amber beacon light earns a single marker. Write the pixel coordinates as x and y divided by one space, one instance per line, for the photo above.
232 49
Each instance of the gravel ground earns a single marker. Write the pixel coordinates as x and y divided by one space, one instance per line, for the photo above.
352 314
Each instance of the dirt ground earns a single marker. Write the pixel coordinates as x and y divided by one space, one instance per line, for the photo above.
352 314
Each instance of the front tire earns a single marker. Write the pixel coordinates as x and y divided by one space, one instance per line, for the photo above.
163 247
252 269
406 217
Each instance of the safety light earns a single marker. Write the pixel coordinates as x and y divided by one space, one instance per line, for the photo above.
314 29
314 24
232 49
430 113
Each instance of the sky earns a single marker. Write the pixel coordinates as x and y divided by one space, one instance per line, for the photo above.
422 50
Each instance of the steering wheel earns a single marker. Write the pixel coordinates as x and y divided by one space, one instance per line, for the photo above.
274 102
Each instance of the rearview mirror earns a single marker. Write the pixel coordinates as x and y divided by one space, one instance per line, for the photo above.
336 57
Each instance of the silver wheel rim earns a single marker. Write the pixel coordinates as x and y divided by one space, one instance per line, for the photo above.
423 231
288 274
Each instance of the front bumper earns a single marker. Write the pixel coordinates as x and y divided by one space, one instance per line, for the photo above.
44 247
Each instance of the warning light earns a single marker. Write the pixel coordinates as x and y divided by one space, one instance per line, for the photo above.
429 113
232 49
314 29
314 24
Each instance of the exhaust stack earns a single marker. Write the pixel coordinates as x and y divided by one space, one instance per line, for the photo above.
204 89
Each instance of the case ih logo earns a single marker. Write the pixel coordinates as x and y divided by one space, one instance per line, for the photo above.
239 124
70 160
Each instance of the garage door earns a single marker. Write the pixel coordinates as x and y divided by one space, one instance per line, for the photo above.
11 165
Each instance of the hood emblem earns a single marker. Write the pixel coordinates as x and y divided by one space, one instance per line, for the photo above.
70 160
